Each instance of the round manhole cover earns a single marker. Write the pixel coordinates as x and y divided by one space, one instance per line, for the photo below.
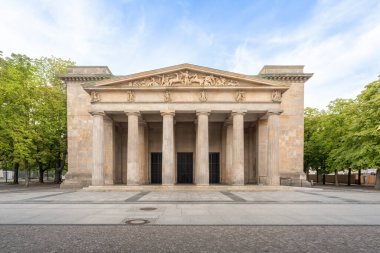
137 222
147 208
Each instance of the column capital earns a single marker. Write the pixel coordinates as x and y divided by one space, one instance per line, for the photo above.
203 112
128 113
274 112
238 112
97 113
142 123
167 112
228 122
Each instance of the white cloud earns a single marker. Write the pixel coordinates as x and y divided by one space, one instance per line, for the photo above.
340 44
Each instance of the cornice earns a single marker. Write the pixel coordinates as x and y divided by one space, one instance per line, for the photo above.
285 77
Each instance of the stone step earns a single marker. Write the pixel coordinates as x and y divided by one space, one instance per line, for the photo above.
139 188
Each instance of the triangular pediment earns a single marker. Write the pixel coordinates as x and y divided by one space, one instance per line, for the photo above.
185 75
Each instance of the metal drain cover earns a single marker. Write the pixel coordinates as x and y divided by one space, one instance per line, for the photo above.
137 222
148 208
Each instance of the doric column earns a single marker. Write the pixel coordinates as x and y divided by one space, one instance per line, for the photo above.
273 172
98 148
168 167
228 163
202 154
142 152
237 172
133 162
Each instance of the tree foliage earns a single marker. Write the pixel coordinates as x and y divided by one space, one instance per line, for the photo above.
32 112
345 135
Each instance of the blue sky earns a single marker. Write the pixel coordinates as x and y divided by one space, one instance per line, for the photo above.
337 40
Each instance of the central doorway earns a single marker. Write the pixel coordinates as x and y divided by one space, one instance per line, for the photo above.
214 171
184 168
156 168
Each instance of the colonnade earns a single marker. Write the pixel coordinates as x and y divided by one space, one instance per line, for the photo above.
234 148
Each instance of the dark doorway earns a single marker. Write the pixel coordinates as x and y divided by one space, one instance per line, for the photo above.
156 168
184 168
214 168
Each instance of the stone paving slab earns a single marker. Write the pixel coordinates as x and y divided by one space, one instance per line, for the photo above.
190 208
216 214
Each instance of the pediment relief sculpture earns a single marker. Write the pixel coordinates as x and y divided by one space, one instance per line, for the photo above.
183 78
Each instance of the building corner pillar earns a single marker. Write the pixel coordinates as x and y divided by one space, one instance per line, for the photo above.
133 161
202 149
98 148
273 156
168 168
237 170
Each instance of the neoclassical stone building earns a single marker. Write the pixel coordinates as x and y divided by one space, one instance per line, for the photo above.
185 124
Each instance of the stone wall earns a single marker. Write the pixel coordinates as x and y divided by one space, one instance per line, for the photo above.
79 128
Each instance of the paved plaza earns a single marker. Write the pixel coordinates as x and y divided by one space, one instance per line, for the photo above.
303 206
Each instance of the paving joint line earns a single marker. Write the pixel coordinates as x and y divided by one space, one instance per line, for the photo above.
334 197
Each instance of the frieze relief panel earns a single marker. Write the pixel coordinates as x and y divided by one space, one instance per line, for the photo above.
202 95
183 78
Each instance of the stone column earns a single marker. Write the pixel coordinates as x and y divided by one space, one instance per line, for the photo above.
168 167
133 162
237 173
273 171
146 142
98 148
228 126
202 146
142 152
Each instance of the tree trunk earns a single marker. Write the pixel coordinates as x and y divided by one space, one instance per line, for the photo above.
307 174
324 178
360 177
57 176
336 178
377 184
317 177
27 174
40 174
60 164
15 170
349 177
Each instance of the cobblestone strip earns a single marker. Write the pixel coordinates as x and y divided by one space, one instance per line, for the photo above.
136 197
234 197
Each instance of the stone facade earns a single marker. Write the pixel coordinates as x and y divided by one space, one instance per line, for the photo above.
189 124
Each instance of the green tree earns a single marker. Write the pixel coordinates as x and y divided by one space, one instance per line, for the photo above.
345 136
33 114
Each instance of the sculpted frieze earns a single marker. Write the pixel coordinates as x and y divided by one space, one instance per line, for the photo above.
95 97
131 96
276 96
240 96
184 78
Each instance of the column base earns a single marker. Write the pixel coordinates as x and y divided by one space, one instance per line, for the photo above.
76 180
274 181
